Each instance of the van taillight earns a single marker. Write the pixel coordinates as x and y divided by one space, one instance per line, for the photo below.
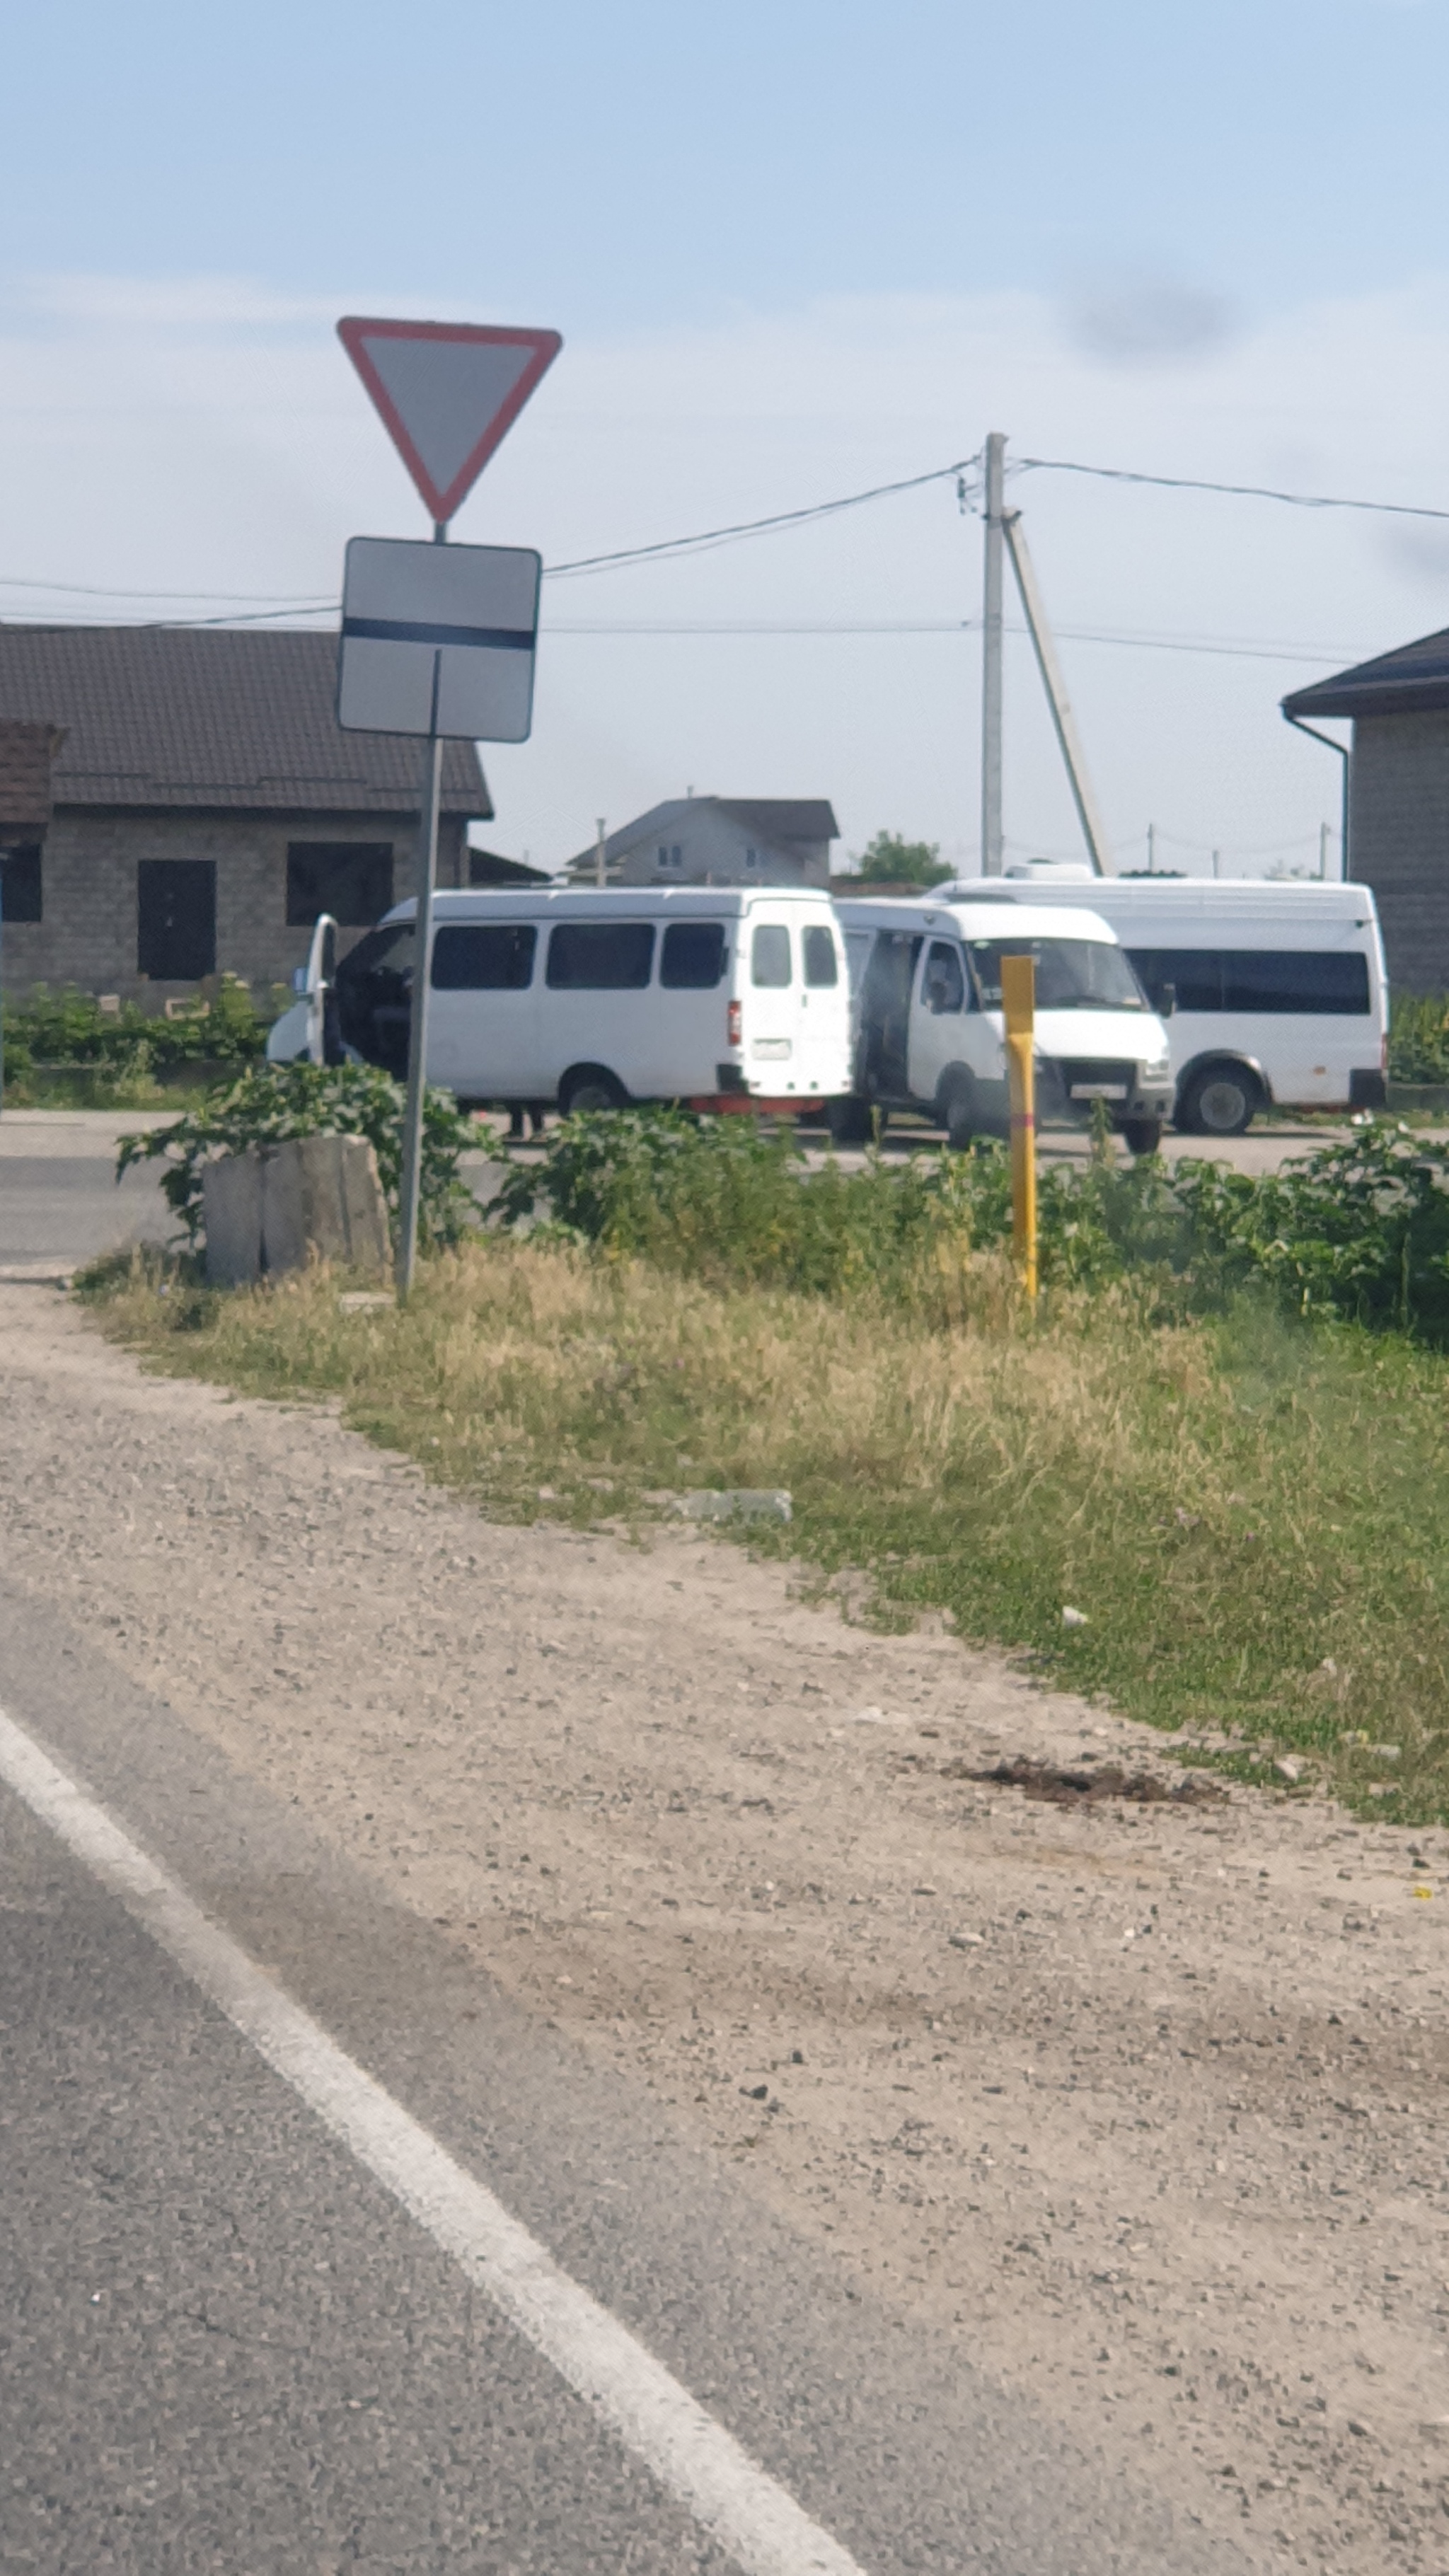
733 1024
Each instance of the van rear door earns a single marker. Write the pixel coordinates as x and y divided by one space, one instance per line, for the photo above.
772 977
823 1036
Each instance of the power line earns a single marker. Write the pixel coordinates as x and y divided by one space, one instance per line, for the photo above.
708 538
1229 649
1235 491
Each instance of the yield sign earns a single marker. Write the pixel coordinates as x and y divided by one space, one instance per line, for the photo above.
448 392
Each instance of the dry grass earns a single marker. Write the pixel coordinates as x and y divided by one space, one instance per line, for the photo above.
1251 1516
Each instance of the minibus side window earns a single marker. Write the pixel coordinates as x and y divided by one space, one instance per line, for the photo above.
483 957
770 955
1306 982
693 956
600 956
821 966
943 986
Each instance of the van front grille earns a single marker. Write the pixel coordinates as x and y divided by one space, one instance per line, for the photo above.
1090 1078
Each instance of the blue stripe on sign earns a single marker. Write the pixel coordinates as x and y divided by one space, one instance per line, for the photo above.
401 630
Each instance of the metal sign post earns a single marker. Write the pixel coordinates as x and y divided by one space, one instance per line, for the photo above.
410 1187
442 646
1018 996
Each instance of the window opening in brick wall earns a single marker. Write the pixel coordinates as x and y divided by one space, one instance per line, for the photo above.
350 879
176 919
21 887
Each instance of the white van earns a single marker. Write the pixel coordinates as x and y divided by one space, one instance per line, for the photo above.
727 998
1279 997
930 1034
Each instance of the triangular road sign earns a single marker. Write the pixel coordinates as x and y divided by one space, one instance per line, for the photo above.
448 392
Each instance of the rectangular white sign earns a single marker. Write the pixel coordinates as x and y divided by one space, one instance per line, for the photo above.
438 639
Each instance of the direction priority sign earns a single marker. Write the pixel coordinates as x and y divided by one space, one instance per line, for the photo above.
438 639
448 394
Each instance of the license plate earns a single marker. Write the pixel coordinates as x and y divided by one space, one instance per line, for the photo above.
1099 1091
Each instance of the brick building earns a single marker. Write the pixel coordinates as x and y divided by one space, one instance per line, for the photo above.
176 803
1398 797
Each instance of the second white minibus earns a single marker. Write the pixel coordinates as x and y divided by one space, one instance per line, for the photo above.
1275 995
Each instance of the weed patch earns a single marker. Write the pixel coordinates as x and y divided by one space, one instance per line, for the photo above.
1251 1514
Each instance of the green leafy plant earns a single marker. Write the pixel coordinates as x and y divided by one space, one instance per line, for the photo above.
890 860
1419 1038
274 1102
70 1028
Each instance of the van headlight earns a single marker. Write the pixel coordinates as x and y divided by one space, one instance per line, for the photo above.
1159 1069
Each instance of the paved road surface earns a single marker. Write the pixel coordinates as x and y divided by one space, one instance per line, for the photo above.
60 1204
228 2347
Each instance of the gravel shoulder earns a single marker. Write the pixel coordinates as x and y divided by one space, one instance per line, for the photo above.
1142 2098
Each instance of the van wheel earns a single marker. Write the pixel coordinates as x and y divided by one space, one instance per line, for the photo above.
1221 1100
957 1114
1142 1135
849 1120
590 1087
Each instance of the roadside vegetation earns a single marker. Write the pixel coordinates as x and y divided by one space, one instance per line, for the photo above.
1419 1038
62 1051
1221 1440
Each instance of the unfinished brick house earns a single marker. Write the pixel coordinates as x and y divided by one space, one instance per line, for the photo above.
1398 797
176 804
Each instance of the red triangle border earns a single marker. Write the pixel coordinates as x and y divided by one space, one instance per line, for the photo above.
355 330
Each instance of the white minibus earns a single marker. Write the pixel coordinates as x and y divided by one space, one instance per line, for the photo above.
589 998
1275 995
929 1031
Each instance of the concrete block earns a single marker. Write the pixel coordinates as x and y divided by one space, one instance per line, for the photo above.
231 1199
322 1201
315 1198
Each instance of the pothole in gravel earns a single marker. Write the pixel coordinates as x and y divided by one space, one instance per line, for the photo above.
1060 1787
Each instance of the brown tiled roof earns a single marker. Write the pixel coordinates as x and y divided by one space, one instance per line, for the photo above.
215 720
26 754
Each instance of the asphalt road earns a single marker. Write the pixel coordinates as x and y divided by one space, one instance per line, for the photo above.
226 2345
60 1204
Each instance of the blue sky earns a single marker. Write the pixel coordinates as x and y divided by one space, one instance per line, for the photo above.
793 249
658 161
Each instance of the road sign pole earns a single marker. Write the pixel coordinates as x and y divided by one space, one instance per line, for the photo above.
410 1190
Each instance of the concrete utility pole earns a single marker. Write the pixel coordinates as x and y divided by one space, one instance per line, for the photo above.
1152 849
1323 851
601 856
992 850
1060 704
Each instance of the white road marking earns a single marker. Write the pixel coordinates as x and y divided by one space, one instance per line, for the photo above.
747 2511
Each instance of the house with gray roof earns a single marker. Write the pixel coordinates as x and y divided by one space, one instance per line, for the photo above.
177 803
1398 796
719 840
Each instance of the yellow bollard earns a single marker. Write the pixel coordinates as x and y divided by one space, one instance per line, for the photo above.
1018 995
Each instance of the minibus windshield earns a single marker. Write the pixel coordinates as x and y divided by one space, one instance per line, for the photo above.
1071 974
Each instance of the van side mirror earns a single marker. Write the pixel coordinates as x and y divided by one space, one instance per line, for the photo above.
1168 1003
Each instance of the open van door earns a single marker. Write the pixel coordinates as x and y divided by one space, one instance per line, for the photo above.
308 1032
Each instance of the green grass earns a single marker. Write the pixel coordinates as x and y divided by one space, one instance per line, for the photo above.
1250 1510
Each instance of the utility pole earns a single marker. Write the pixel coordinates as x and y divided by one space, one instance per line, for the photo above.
1152 849
991 659
1217 854
601 856
1323 851
1068 740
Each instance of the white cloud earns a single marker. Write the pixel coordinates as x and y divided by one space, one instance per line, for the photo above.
207 435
